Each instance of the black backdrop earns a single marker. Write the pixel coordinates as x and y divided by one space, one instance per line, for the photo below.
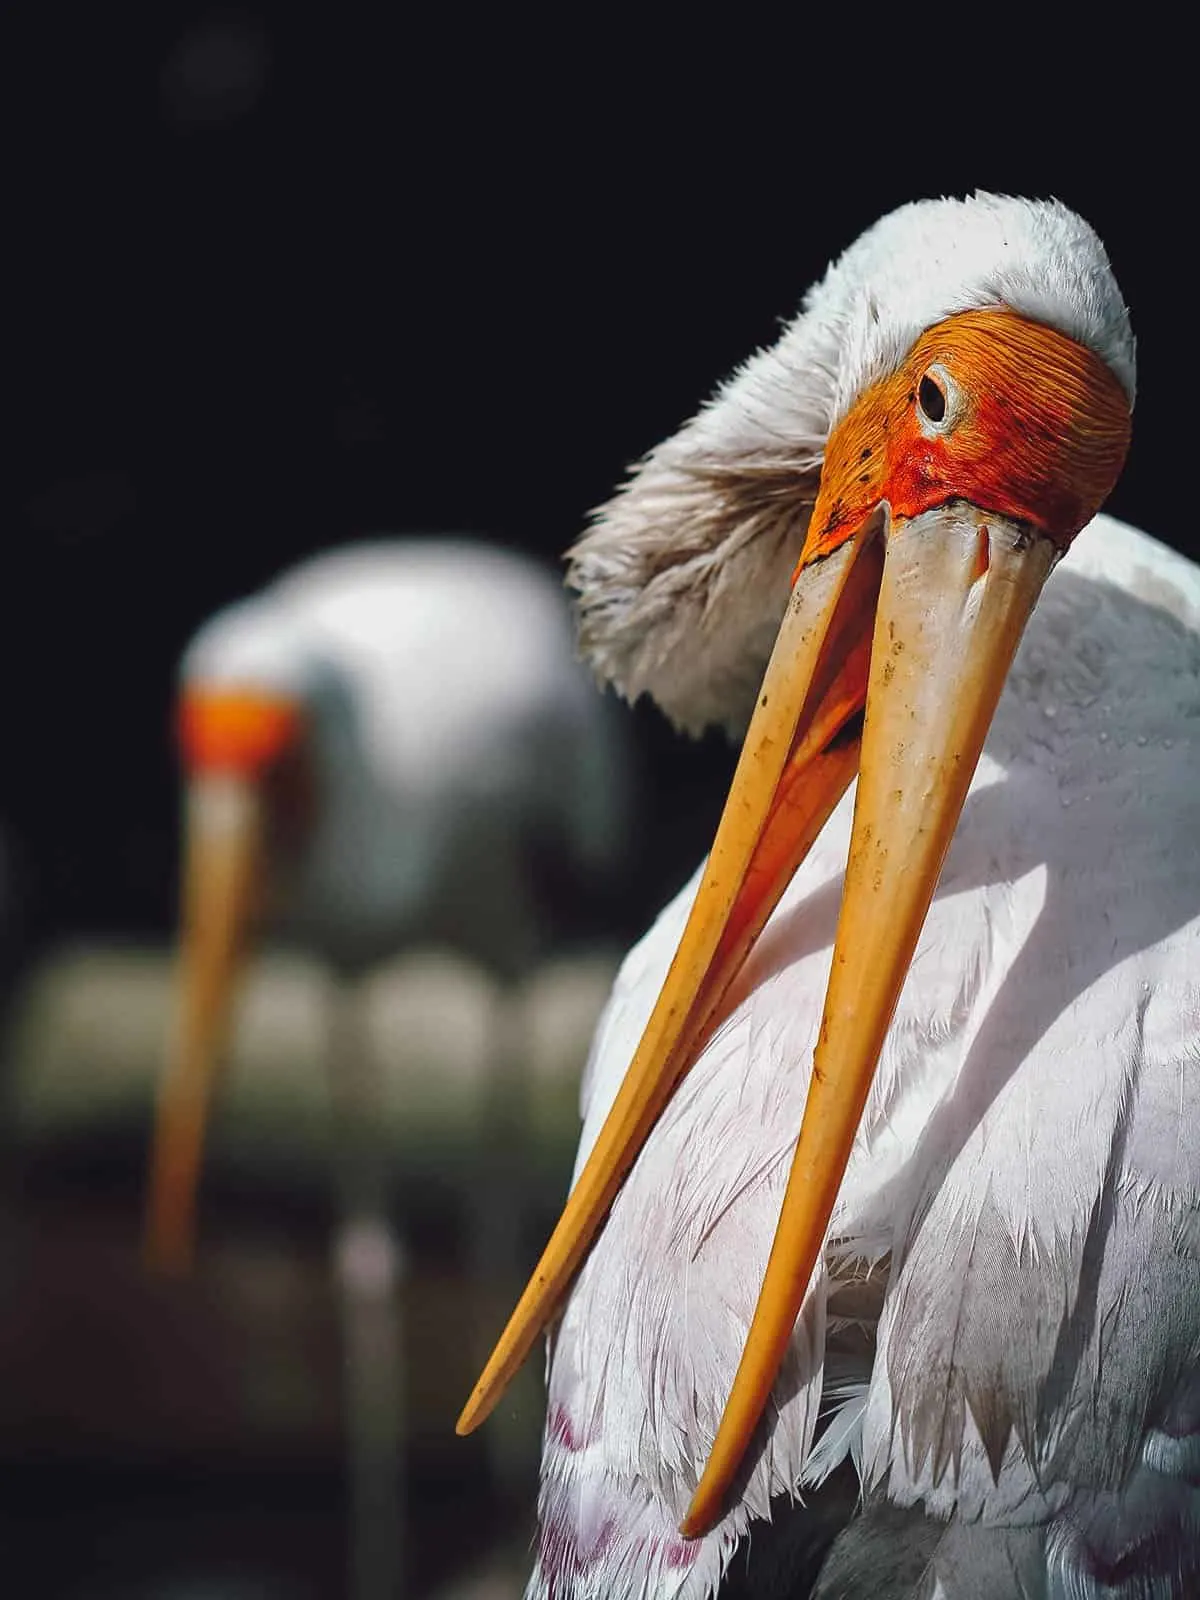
284 279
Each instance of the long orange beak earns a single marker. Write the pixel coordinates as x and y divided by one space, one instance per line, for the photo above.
222 861
932 608
958 588
908 605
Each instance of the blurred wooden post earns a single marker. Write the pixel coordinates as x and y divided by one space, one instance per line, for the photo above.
369 1268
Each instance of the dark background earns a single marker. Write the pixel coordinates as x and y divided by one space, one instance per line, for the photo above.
285 279
277 279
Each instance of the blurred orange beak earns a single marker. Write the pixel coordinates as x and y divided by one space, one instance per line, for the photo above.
222 855
227 739
915 623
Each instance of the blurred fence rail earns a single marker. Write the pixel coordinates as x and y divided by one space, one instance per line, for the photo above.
240 1361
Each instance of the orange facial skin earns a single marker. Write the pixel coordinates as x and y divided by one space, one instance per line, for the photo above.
238 731
1022 403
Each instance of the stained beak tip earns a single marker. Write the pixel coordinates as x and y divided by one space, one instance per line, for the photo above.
692 1526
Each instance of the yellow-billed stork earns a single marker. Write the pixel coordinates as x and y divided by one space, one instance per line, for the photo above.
393 744
907 1178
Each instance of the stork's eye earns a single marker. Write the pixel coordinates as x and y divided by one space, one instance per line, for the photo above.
939 401
931 400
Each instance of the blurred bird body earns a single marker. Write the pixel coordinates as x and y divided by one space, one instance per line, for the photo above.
997 1319
451 743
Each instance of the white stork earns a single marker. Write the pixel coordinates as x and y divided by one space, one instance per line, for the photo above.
928 1197
392 744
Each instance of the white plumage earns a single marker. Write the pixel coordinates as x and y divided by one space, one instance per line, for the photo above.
1037 1101
683 583
1003 1333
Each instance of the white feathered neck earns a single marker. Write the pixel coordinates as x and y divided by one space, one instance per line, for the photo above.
683 577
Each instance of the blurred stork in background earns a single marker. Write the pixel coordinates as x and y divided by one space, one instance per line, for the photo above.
392 745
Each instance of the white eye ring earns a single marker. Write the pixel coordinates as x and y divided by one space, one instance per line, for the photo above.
939 402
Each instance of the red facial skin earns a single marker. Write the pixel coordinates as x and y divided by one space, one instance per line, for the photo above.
1036 428
238 731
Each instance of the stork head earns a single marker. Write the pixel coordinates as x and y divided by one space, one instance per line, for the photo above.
896 479
240 719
